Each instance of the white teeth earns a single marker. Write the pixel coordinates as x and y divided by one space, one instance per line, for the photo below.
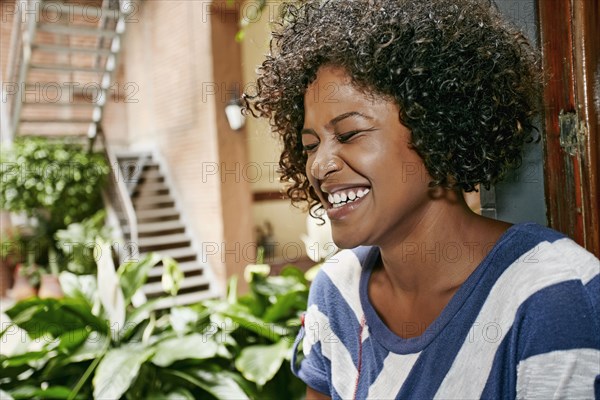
341 198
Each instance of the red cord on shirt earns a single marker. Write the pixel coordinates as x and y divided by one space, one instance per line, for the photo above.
360 340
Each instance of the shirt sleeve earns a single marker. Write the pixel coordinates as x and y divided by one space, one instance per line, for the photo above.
311 366
559 349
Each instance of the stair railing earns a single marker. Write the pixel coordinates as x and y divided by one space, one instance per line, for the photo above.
110 67
119 200
22 36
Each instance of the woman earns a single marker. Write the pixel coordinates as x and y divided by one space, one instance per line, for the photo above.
388 111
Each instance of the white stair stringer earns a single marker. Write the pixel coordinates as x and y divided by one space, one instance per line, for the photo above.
162 230
63 68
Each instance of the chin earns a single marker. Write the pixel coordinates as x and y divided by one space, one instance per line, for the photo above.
346 242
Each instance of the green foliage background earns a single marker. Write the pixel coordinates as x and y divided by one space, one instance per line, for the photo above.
56 181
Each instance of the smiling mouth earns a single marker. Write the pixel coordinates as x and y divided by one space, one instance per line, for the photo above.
343 197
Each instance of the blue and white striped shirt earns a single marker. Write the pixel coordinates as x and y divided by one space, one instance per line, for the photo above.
525 324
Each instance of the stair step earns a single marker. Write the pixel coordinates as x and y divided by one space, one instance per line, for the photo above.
164 240
86 89
86 11
156 199
151 174
150 187
184 299
59 104
185 267
160 226
57 121
176 254
129 155
67 49
161 212
75 30
186 283
153 206
65 68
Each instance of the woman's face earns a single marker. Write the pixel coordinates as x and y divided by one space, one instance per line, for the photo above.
373 186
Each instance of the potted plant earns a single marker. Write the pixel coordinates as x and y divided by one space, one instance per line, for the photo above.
96 344
26 279
52 182
49 283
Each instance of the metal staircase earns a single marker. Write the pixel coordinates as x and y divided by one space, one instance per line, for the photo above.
63 56
161 229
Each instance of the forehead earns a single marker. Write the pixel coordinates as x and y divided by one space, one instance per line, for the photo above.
333 91
332 84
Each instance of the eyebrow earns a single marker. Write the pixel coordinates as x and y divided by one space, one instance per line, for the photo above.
338 119
341 117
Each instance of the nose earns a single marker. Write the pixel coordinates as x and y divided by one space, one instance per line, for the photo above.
325 164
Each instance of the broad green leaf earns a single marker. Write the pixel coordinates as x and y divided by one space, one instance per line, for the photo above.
195 346
79 287
43 317
292 271
178 394
270 331
94 347
232 286
72 339
260 363
118 369
109 287
286 305
277 285
257 271
132 275
182 319
136 317
31 392
14 339
5 396
24 359
172 276
220 384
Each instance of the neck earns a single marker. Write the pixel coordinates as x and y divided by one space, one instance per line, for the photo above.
439 250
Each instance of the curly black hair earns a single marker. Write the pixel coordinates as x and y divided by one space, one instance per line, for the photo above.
466 81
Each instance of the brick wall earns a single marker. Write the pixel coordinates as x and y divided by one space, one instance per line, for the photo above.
169 58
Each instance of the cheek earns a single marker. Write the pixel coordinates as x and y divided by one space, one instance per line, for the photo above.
307 170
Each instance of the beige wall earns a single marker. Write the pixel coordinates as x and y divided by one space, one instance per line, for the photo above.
288 222
169 59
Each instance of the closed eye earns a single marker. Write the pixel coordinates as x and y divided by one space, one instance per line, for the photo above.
309 147
345 137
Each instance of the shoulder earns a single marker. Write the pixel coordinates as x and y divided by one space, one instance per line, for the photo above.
555 287
536 247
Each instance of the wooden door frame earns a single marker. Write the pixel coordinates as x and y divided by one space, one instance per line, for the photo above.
570 56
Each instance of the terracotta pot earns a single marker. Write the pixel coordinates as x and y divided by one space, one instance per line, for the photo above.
50 288
22 289
6 275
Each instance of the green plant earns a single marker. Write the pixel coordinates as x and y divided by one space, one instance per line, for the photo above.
77 243
56 181
94 343
30 270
